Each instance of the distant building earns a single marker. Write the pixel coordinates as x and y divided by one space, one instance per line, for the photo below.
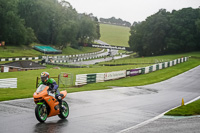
20 66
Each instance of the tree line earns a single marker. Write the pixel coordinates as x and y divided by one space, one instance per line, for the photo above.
167 32
115 21
45 21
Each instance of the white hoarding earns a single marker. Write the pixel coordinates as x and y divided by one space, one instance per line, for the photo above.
115 75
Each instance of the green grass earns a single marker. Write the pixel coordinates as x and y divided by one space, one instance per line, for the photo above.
115 35
82 50
111 34
27 79
146 61
145 79
186 110
18 51
22 51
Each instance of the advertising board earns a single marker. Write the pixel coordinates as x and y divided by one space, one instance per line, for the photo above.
133 72
115 75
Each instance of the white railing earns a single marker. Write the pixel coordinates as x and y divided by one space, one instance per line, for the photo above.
8 83
82 79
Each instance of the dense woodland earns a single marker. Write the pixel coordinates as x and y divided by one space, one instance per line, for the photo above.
58 23
167 32
46 22
115 21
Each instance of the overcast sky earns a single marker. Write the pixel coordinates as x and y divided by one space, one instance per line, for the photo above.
129 10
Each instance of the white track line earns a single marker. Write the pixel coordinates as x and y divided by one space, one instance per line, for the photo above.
152 119
15 100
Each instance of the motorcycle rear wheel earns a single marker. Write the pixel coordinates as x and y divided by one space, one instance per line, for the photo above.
41 112
64 113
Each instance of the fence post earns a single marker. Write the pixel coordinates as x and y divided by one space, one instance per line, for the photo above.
163 65
58 79
37 82
143 70
150 68
157 67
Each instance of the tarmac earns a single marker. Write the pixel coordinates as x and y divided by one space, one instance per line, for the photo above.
136 109
170 124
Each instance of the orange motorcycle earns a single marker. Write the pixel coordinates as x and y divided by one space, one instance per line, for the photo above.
47 104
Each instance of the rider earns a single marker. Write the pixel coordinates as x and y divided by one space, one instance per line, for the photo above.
52 85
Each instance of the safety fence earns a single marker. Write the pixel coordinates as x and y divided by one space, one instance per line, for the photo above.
163 65
63 80
20 58
68 59
75 58
83 79
57 58
8 83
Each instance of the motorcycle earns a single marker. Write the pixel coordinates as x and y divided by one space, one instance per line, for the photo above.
47 105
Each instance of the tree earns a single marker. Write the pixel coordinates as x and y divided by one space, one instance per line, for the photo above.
13 30
115 21
57 23
97 27
182 36
166 32
197 23
87 29
148 37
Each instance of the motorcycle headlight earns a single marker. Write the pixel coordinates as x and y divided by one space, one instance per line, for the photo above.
35 94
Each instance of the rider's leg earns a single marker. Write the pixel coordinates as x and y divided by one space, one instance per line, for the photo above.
59 98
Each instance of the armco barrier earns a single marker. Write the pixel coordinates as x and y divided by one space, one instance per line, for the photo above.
179 61
175 62
100 77
154 67
133 72
165 64
142 70
151 69
54 57
20 58
8 83
91 78
146 69
160 66
115 75
82 79
171 63
157 66
75 58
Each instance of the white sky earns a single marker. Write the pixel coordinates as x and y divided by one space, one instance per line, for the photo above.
129 10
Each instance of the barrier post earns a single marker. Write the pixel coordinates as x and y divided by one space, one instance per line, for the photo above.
37 82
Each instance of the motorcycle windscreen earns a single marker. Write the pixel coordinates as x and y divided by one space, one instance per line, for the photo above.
41 88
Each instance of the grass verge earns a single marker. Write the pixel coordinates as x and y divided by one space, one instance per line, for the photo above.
139 80
27 79
115 35
81 50
28 51
186 110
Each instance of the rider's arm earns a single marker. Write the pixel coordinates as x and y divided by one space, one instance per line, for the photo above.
40 83
55 86
53 82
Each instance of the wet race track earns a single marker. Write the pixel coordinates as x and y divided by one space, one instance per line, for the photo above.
104 111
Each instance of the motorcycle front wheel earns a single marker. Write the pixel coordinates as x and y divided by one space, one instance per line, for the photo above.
41 112
64 113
